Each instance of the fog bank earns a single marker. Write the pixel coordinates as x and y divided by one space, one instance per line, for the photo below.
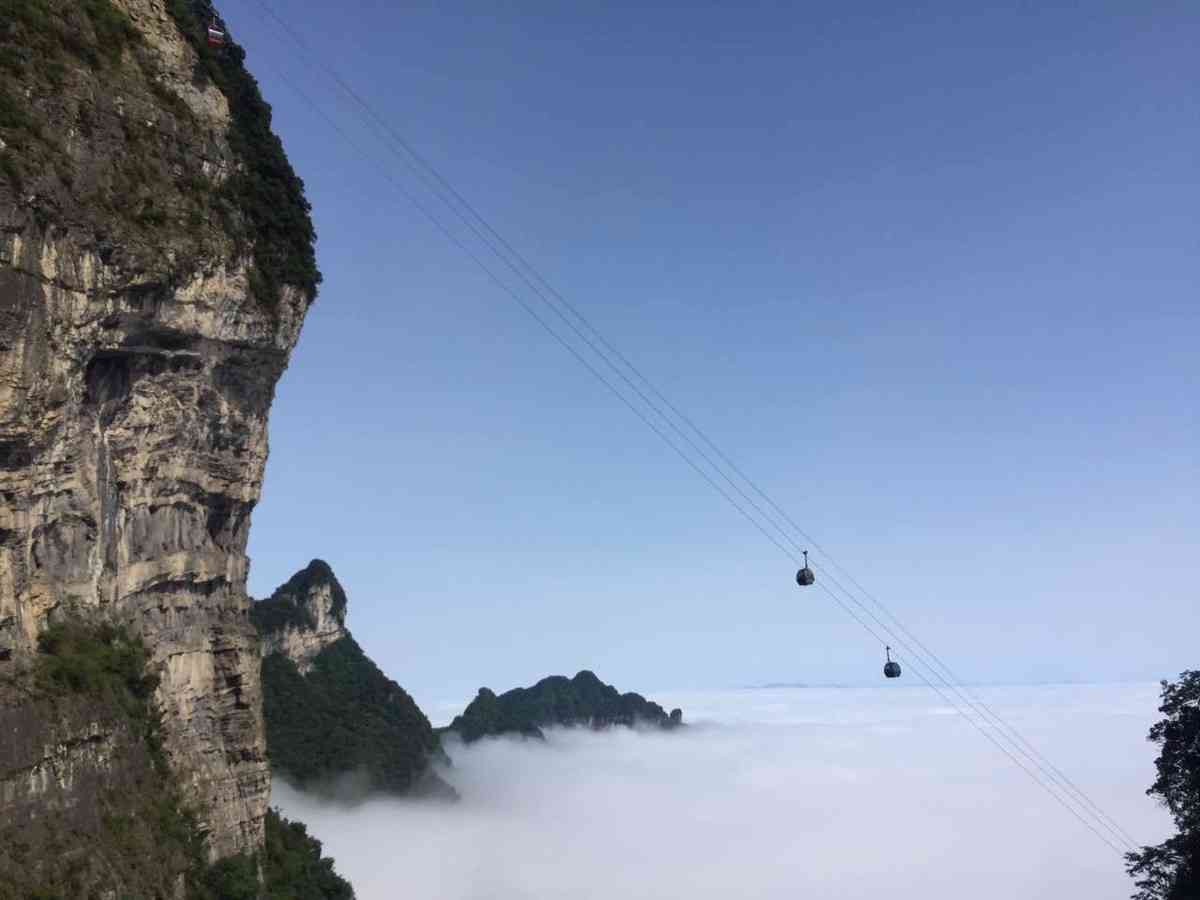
782 793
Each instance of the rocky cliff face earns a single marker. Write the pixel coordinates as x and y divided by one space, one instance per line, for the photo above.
148 305
303 616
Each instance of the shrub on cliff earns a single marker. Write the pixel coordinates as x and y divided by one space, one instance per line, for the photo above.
94 31
38 38
129 833
293 868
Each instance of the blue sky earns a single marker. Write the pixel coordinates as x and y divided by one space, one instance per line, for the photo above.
928 274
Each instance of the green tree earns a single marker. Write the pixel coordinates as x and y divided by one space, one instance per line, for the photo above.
294 868
1171 870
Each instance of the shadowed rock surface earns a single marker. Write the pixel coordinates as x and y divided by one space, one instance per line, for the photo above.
584 700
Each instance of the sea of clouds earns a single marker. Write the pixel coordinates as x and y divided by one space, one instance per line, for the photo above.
771 793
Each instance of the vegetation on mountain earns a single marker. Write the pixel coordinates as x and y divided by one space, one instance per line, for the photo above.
1171 870
292 867
558 700
101 662
345 717
273 220
139 839
40 40
90 132
133 834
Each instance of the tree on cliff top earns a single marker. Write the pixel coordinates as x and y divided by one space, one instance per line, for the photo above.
1171 870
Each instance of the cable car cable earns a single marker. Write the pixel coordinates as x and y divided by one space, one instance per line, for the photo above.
538 318
987 713
1080 815
524 263
520 267
1113 829
609 385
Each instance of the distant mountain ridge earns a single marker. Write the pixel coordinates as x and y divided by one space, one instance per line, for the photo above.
580 701
331 715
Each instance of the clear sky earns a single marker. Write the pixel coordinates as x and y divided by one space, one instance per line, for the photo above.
929 273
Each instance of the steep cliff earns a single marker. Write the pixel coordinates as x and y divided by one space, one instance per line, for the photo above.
87 732
333 718
156 264
584 700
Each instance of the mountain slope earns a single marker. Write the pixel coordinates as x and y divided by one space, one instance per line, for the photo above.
333 718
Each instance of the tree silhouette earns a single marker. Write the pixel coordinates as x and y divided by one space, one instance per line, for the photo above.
1171 870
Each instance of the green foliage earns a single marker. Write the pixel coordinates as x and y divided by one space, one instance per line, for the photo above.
100 661
40 42
13 114
232 878
557 700
92 31
1171 870
129 831
146 839
344 716
273 215
112 29
285 608
294 867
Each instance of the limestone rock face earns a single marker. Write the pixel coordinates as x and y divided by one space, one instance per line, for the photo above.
137 368
304 616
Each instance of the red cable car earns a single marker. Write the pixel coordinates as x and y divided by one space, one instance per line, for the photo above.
216 37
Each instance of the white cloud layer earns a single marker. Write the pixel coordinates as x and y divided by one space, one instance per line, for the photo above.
823 793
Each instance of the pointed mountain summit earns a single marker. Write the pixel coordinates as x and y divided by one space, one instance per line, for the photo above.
305 615
333 718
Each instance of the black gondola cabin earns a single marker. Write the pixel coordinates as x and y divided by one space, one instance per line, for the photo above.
891 668
805 576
